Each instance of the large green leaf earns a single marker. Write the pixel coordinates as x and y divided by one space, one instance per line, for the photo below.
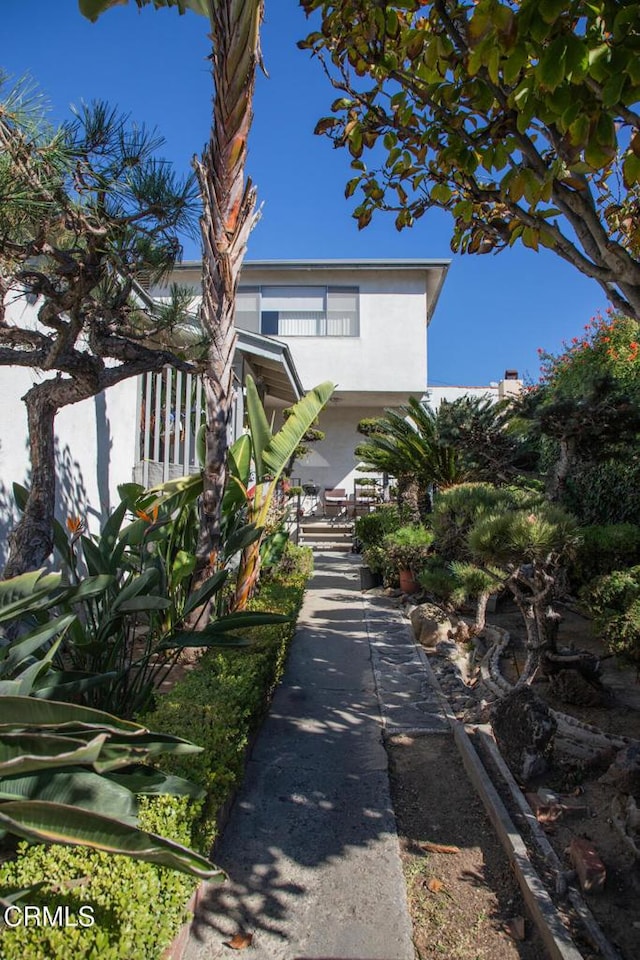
258 425
24 712
216 633
43 822
22 753
28 592
281 447
75 787
17 652
149 781
205 592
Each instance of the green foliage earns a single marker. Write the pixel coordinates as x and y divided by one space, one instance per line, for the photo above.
539 536
408 547
112 886
602 550
516 117
614 602
436 578
220 701
605 493
407 444
456 511
371 528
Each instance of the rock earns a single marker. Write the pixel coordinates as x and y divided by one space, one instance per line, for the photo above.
591 871
430 624
525 730
624 772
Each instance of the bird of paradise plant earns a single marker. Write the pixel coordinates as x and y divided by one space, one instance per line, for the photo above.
271 453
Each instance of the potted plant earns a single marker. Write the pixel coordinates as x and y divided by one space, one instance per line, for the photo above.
372 570
407 549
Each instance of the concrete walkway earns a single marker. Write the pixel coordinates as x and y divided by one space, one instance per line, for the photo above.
311 847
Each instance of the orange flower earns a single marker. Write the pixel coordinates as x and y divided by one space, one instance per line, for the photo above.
75 525
148 517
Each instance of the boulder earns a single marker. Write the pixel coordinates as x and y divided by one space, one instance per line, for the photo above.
524 729
431 624
624 772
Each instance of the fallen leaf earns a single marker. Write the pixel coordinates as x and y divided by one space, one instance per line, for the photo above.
435 885
438 847
240 941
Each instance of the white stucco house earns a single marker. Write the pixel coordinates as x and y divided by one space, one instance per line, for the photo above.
360 323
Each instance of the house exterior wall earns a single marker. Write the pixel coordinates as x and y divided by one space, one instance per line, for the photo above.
390 353
95 444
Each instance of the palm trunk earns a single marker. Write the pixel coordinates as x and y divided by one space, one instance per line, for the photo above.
227 219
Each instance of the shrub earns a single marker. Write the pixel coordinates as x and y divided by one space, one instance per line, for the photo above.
457 510
371 528
614 602
408 547
436 578
604 549
605 493
221 701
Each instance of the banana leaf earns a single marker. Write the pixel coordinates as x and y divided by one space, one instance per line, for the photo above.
40 821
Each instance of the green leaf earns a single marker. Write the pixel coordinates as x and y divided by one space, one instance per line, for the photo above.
27 646
137 604
281 447
183 566
42 822
22 753
631 170
551 68
258 425
205 592
25 712
242 538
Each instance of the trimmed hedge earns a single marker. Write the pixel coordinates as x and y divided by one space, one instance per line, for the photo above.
139 907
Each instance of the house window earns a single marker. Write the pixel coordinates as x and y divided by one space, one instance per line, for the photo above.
289 311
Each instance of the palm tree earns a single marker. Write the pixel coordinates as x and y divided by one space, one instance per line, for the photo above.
228 215
407 444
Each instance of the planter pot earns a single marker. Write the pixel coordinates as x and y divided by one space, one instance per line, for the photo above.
408 583
369 579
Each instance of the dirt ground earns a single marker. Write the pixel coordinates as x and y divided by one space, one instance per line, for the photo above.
465 905
617 908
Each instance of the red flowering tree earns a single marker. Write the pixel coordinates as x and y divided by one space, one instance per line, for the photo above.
588 398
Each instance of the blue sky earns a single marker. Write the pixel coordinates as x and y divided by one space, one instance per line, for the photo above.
494 311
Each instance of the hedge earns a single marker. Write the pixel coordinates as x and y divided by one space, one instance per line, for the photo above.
139 907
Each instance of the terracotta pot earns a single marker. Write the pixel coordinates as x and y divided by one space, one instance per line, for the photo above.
408 583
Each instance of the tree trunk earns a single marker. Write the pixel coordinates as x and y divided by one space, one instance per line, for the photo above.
31 541
480 619
227 219
408 497
559 473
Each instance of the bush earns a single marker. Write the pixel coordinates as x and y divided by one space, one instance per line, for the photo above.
408 547
436 578
605 493
614 602
221 702
456 511
371 528
604 549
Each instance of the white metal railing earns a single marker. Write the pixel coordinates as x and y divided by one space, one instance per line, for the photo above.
170 411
